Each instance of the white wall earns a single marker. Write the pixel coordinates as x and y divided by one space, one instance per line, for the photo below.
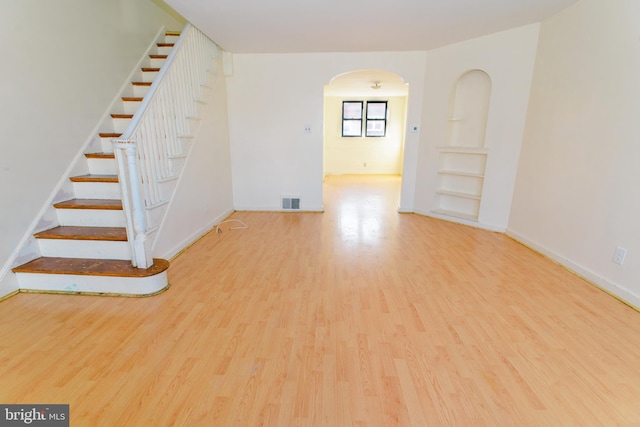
362 155
203 196
577 196
508 58
62 64
272 97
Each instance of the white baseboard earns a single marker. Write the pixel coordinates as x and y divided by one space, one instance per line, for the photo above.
476 224
194 237
603 283
319 209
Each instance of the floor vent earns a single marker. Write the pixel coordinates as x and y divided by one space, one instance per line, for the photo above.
291 203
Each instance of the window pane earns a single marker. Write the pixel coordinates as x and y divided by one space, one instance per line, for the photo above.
376 110
351 110
352 128
375 128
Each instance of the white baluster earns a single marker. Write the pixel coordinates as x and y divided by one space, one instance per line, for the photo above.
157 128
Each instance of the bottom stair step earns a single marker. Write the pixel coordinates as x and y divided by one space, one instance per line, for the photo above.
92 276
91 267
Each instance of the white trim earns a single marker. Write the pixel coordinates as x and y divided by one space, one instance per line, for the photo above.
319 209
607 285
476 224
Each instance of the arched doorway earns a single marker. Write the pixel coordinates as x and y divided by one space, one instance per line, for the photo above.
369 152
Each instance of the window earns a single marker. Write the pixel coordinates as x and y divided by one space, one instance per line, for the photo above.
352 118
376 118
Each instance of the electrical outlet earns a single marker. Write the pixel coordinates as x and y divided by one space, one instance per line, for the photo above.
307 129
619 255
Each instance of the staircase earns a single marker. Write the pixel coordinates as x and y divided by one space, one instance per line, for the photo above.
89 250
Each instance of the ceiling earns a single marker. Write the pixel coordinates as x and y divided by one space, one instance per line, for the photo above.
296 26
367 83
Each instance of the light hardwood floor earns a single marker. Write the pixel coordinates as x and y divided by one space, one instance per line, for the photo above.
358 316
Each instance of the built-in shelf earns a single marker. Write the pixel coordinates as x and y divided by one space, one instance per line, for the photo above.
455 214
462 161
459 194
461 173
462 149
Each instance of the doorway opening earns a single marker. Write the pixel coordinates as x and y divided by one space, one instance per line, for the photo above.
355 140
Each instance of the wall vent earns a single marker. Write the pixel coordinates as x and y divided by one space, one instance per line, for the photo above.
291 203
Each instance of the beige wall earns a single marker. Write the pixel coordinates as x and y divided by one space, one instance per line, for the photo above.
576 197
353 155
62 64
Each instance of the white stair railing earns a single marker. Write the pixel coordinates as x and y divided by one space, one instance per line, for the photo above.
145 151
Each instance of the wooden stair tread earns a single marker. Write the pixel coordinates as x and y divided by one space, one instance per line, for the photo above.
90 267
165 44
105 204
155 56
132 98
109 135
121 116
150 69
172 33
94 178
112 234
100 155
141 83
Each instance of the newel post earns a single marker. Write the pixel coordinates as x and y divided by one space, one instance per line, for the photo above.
132 202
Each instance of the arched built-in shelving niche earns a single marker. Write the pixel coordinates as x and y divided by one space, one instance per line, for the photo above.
463 158
468 110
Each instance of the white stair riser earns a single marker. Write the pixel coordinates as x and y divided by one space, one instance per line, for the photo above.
91 217
171 39
93 284
85 249
107 145
102 166
120 125
148 76
130 107
156 62
164 50
140 91
96 190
